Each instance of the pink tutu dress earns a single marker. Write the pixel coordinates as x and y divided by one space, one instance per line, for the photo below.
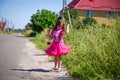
57 48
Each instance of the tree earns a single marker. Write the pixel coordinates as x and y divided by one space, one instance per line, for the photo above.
76 22
43 19
73 14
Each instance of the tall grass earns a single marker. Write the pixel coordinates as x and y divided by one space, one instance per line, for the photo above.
95 52
41 40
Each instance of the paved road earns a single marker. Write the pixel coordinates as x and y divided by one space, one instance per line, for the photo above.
11 52
21 60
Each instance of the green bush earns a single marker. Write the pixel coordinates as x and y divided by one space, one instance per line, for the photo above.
77 23
89 21
29 33
95 54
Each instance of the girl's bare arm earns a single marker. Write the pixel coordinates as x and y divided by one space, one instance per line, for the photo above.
49 34
66 30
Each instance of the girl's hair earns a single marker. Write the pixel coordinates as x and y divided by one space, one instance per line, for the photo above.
58 23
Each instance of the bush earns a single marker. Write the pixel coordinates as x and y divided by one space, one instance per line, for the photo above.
89 21
29 33
95 54
77 23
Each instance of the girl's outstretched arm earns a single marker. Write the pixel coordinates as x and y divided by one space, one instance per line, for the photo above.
66 30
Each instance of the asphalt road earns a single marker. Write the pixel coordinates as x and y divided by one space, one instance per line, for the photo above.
11 52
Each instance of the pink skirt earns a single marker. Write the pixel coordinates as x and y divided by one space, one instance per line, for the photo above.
57 49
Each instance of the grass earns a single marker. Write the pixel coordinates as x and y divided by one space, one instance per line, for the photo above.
95 53
41 40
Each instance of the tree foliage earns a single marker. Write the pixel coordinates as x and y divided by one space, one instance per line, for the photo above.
43 19
76 22
73 14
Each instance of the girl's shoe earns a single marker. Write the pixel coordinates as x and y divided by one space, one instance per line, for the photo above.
58 70
54 69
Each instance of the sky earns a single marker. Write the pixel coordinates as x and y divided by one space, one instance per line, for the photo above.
18 12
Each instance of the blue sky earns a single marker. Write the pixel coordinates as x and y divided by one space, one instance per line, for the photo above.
19 12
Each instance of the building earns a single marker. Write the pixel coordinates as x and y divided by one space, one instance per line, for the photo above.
2 24
101 10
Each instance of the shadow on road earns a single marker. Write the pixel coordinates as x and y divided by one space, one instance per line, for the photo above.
21 36
32 70
39 55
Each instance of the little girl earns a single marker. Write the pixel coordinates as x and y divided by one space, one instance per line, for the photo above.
57 47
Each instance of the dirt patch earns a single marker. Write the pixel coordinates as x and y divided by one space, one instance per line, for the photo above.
38 64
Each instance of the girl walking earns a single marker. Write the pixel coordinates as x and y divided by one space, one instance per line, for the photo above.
57 48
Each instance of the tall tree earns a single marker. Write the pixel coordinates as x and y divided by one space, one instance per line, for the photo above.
43 19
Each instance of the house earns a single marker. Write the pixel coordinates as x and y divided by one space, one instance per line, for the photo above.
101 10
2 24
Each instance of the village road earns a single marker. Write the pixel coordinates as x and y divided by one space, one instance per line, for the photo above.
21 60
11 52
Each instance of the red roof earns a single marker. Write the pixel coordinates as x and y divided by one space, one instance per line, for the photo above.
73 3
106 5
2 24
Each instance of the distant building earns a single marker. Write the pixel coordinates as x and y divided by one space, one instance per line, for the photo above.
101 10
2 25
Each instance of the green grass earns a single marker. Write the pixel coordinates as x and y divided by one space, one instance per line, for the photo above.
41 40
95 52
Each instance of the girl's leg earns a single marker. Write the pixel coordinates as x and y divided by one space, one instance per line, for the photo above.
59 62
56 61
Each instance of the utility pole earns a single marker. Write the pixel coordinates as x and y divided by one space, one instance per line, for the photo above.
65 7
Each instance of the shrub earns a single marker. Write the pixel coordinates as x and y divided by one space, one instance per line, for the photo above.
95 54
29 33
89 21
